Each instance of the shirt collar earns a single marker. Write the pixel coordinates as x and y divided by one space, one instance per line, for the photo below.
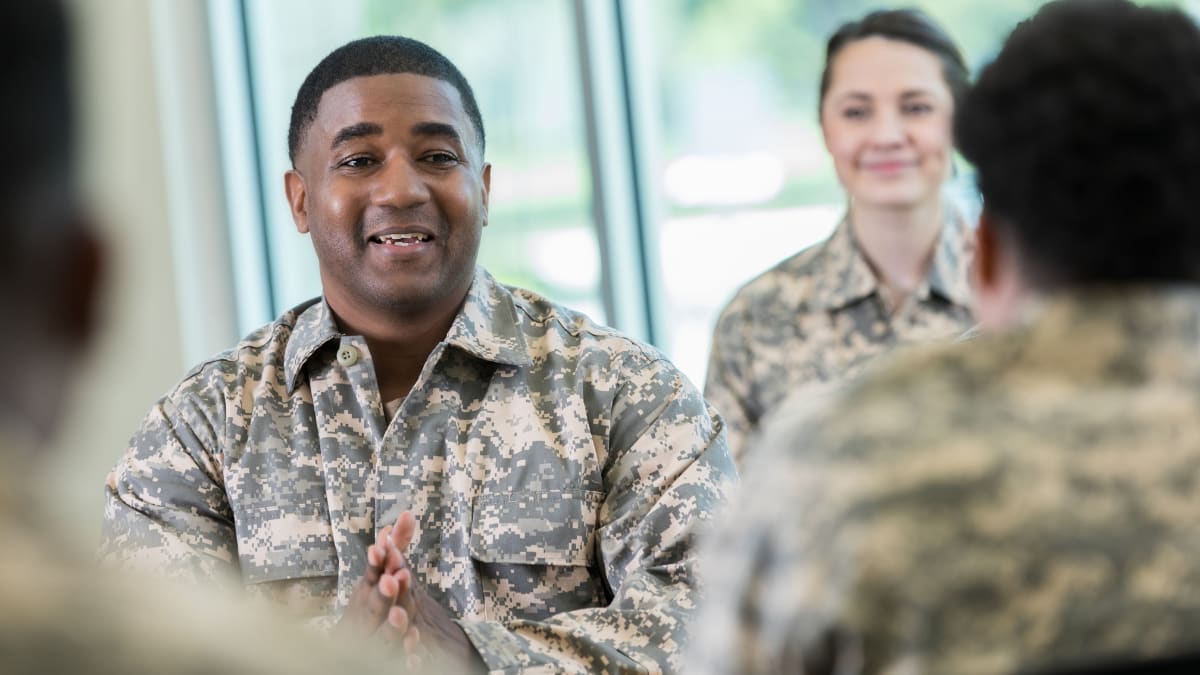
949 274
486 327
844 276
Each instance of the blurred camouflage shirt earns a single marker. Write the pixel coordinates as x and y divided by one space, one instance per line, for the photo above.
64 615
559 473
1011 503
819 317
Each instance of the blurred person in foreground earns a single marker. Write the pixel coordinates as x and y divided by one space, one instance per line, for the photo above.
1029 499
60 613
895 270
546 476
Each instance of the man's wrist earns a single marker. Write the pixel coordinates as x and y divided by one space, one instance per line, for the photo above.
462 650
446 634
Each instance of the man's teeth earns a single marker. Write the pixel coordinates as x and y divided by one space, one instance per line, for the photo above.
404 239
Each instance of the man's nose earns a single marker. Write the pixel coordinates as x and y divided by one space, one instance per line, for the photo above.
401 184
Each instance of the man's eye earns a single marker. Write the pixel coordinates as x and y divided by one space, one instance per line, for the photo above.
440 158
357 162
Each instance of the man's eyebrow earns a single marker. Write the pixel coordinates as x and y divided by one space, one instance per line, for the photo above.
437 129
355 131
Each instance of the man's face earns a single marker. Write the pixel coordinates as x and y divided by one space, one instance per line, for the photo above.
391 185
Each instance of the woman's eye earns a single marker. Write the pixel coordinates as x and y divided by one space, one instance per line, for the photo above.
917 109
854 113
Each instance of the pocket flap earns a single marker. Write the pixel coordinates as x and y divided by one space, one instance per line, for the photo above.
544 527
285 542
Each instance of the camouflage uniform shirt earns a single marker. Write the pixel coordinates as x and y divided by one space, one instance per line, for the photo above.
1014 503
63 615
818 317
558 472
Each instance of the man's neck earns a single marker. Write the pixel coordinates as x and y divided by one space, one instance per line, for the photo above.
400 340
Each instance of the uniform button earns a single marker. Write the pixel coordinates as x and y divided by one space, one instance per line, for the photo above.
347 356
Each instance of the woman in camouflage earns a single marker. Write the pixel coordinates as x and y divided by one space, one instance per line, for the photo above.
895 269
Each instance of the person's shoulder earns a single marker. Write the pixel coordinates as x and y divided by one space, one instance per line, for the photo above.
911 399
788 282
553 323
970 365
263 347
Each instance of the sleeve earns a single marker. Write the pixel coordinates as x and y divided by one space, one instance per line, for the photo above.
667 474
728 384
166 510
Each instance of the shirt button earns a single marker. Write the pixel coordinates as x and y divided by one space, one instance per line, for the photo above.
347 356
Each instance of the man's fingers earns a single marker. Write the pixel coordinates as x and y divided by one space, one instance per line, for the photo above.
406 527
395 559
392 631
369 604
412 649
398 620
412 639
403 584
378 601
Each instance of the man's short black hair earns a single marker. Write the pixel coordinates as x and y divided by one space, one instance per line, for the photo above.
1085 135
379 55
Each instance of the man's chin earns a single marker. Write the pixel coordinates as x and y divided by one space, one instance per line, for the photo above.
417 298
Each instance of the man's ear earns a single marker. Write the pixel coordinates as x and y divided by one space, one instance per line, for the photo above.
985 271
487 190
297 196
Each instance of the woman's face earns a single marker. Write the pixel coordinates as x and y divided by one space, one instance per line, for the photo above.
886 119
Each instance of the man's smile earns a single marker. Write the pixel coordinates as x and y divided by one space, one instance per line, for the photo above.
402 239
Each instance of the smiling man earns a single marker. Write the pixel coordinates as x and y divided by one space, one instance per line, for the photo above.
547 475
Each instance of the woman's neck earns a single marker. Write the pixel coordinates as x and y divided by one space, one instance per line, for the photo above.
898 243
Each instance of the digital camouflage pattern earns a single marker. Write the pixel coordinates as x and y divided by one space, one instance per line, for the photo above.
559 473
819 317
1006 504
63 615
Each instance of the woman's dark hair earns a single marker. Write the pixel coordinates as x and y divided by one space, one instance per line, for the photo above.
1085 137
903 25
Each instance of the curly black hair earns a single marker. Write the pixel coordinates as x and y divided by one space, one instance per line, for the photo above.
378 55
903 25
1085 136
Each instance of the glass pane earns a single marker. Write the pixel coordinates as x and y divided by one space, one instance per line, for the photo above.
540 234
743 179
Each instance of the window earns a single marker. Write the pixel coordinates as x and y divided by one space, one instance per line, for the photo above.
649 156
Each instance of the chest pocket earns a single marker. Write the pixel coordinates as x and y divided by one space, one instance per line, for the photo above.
285 539
554 527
